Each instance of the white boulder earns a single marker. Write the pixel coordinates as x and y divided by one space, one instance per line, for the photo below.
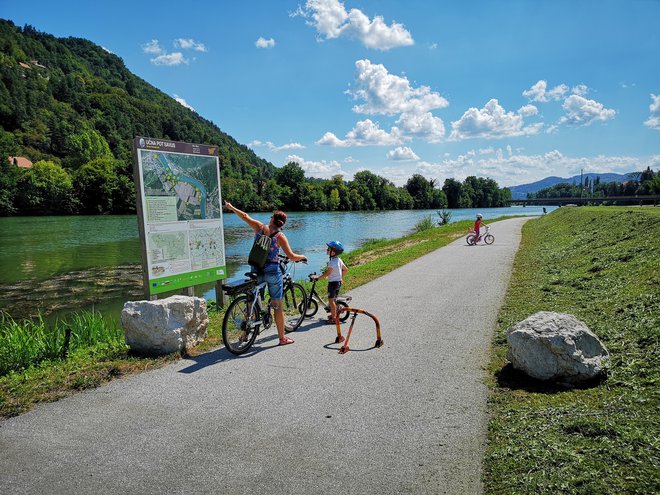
555 346
163 326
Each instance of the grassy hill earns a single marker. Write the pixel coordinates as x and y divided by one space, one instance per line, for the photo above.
601 264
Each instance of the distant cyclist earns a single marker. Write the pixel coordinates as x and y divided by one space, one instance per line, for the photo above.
335 273
477 227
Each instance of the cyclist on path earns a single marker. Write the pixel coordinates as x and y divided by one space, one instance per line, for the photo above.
335 273
271 272
477 227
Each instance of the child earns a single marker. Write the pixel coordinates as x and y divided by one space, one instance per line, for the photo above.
477 227
335 273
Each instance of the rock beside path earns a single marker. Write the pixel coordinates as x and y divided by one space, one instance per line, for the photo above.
555 346
163 326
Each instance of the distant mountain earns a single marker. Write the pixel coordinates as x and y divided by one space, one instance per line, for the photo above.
520 192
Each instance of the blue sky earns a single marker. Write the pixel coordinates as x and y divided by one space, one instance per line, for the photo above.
511 90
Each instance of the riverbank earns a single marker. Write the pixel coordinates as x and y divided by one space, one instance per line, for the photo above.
95 365
601 265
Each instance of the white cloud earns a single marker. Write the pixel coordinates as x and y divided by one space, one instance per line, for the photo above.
540 93
189 44
422 125
492 122
273 147
264 43
654 120
331 21
582 112
152 47
183 102
402 153
509 169
174 58
350 159
388 94
580 90
321 169
365 133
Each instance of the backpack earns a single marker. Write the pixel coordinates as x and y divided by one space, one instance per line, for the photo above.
260 248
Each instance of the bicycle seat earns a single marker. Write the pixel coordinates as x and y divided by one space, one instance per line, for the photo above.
251 275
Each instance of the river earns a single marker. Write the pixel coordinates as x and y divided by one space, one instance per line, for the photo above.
56 265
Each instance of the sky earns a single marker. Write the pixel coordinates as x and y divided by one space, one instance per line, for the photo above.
513 90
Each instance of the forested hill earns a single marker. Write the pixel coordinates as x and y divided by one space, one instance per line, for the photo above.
69 101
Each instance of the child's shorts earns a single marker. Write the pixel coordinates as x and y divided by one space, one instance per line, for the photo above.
333 289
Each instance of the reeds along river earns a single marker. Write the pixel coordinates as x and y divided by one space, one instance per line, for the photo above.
56 265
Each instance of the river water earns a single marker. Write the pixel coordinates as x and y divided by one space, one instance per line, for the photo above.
56 265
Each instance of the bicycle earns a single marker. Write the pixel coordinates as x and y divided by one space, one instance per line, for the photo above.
249 313
314 299
487 237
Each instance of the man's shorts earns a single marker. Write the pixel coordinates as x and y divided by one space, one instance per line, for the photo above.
333 289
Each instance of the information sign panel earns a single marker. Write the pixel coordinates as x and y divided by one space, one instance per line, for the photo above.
180 213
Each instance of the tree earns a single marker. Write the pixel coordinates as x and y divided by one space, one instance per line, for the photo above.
452 189
95 184
292 178
45 188
86 146
8 173
421 191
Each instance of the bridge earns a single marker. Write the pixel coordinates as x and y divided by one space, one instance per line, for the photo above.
642 199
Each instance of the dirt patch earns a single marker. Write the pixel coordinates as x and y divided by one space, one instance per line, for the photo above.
378 253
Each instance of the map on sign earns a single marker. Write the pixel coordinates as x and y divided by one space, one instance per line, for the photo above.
191 179
181 213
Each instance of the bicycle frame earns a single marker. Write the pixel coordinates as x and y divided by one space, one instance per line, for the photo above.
482 233
313 294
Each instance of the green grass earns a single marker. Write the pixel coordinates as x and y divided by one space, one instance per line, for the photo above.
601 264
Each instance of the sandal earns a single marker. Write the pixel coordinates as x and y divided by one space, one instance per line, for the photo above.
286 341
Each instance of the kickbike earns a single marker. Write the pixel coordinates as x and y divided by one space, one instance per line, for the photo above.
486 236
249 312
314 299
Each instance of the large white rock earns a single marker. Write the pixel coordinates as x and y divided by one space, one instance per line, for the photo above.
555 346
163 326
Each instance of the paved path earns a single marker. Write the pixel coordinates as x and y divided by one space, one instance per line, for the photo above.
409 417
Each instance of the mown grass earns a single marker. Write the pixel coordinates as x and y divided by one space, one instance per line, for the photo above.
34 368
601 264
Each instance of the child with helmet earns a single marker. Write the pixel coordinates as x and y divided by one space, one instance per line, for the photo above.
477 227
335 273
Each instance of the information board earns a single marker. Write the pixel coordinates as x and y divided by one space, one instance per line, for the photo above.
180 213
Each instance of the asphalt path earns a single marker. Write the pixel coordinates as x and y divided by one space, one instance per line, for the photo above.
409 417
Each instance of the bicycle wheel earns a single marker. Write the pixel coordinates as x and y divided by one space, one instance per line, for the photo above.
489 239
312 308
294 304
344 316
240 326
471 239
